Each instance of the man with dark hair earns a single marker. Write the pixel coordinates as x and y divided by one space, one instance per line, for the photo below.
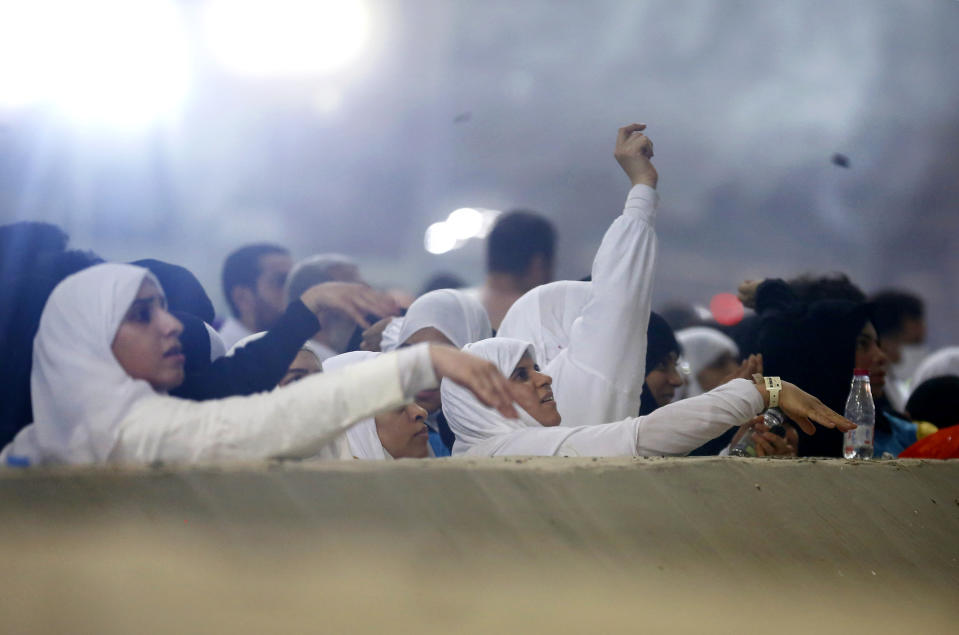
520 254
899 318
253 283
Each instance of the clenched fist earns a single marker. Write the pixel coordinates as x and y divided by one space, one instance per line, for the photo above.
633 152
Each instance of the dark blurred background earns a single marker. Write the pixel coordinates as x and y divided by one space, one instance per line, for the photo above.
181 130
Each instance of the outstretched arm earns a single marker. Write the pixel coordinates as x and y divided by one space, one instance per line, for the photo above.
296 421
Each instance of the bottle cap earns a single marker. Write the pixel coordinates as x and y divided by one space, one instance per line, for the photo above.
859 372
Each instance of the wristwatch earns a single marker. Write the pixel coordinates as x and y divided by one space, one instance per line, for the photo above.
774 386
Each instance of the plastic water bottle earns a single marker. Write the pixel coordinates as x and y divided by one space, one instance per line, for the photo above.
746 446
860 409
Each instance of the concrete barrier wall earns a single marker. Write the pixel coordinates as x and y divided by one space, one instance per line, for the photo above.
519 545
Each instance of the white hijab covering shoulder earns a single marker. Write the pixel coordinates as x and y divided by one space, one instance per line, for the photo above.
80 392
455 314
943 362
703 346
477 427
364 442
671 430
545 316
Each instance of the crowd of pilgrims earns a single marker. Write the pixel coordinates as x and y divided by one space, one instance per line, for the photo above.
108 362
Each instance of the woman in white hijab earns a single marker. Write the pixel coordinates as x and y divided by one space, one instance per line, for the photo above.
674 429
712 357
456 316
396 434
544 317
107 351
444 316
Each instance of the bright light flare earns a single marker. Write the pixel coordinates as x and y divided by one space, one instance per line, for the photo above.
440 238
286 37
465 223
111 62
461 225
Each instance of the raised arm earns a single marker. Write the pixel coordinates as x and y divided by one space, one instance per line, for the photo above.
609 340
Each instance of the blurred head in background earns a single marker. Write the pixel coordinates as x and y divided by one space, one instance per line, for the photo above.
338 327
442 280
253 283
899 318
520 255
712 356
522 246
811 288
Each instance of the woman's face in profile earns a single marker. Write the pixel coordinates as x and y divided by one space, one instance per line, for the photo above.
147 343
872 358
403 432
536 395
664 379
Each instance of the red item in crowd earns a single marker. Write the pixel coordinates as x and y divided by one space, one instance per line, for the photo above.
941 445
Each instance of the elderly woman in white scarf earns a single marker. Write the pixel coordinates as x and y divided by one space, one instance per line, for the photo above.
591 337
107 351
672 430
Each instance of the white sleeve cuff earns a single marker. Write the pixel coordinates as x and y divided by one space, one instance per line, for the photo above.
642 202
748 390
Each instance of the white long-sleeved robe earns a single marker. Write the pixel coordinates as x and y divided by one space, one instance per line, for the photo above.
599 377
297 421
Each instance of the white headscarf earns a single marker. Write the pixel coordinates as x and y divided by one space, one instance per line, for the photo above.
702 346
943 362
455 314
545 315
79 390
362 437
481 428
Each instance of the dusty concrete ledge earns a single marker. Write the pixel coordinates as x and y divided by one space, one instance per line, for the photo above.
518 545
